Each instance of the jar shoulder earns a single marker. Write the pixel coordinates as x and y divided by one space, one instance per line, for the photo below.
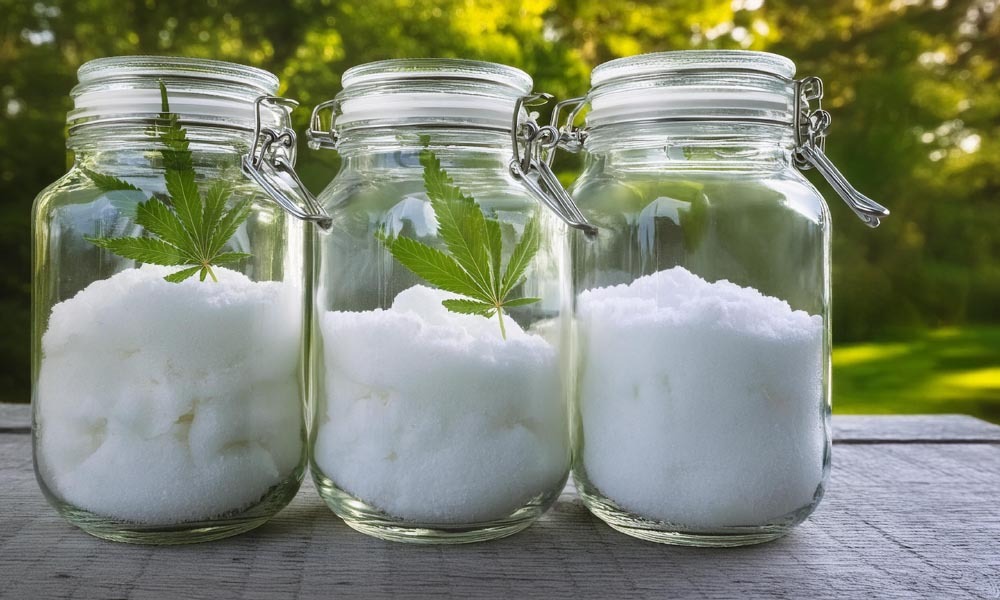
72 188
77 193
605 192
382 191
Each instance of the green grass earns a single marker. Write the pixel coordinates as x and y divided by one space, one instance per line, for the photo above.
954 370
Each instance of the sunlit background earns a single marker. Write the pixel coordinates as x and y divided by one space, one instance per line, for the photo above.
913 87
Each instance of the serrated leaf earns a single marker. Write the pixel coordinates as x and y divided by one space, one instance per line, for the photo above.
214 207
520 302
461 224
187 204
229 257
190 229
524 252
156 217
472 266
177 155
228 225
434 266
494 246
183 274
470 307
121 194
108 183
144 250
180 176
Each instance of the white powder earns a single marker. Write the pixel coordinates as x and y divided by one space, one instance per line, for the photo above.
431 417
701 402
160 402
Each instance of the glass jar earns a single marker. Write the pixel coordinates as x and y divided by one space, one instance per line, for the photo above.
702 307
167 411
431 425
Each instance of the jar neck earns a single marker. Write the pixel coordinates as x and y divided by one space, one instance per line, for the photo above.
465 148
135 144
693 145
119 104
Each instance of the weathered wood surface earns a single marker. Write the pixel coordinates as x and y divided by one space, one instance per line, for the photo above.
913 510
15 418
921 429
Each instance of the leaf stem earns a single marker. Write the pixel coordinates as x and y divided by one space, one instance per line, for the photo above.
503 330
211 273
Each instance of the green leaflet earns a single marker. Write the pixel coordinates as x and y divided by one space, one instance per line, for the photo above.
192 228
470 307
147 250
472 267
524 251
109 183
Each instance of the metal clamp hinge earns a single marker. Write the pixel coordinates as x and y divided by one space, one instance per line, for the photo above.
270 164
811 128
571 137
318 136
533 145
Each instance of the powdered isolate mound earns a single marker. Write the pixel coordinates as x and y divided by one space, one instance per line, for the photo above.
702 403
431 417
161 402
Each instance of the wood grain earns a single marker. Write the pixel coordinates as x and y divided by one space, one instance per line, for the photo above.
900 520
15 418
853 429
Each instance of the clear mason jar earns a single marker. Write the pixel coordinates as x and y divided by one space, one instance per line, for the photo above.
167 412
430 425
702 307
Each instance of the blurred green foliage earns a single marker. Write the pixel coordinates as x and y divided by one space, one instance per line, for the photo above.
948 370
913 86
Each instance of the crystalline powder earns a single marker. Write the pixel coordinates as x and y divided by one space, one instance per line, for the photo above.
160 402
702 403
431 417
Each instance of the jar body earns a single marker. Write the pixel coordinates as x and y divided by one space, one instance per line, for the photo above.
164 412
430 426
702 401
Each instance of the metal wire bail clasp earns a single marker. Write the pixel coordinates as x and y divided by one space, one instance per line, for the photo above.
317 136
269 163
571 138
810 142
530 164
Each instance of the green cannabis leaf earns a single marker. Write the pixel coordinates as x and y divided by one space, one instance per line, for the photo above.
472 267
192 229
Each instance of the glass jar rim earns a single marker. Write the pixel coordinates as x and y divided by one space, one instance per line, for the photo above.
434 92
177 66
693 85
437 68
679 61
200 91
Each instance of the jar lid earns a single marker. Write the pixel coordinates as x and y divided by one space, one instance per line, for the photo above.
430 91
693 85
199 90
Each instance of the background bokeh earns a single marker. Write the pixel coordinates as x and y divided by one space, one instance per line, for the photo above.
913 86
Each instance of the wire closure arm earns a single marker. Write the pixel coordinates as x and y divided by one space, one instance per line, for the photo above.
269 164
571 138
317 136
530 165
810 142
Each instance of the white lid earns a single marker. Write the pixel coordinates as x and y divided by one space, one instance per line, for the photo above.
127 87
693 85
434 91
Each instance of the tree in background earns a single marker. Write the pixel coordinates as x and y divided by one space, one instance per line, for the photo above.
913 86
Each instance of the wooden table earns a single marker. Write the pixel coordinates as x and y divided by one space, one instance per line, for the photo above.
913 510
